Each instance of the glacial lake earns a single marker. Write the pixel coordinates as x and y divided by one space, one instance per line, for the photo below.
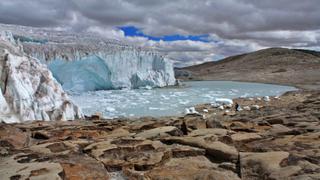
169 101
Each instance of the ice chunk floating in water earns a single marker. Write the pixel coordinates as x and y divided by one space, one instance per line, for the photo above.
169 101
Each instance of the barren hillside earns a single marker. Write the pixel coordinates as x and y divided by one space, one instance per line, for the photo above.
300 68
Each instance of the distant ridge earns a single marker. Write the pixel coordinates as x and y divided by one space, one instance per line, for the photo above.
297 67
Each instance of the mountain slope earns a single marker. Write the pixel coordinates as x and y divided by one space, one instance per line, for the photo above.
300 68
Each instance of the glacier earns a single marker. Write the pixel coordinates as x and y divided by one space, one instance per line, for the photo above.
28 89
88 62
116 70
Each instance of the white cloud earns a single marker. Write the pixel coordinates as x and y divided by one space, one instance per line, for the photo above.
235 26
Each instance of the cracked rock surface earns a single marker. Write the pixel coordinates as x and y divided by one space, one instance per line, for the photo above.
280 140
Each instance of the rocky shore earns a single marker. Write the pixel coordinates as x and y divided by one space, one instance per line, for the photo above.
273 138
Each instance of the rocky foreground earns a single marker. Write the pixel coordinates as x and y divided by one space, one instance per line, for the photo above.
276 138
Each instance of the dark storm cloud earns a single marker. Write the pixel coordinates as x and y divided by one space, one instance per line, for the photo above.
35 13
238 24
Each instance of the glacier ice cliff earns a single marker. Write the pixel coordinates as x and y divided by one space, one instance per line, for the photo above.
101 69
88 62
28 89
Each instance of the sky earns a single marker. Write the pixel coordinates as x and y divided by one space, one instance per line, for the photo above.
187 31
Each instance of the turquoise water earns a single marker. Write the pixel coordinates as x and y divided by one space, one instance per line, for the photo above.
169 101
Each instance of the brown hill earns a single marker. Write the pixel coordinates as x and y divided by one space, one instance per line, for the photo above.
300 68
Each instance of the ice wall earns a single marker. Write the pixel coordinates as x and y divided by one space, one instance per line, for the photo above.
89 69
28 89
87 61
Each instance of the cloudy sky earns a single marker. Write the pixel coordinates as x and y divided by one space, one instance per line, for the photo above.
188 31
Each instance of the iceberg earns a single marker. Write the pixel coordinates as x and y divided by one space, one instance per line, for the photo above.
28 90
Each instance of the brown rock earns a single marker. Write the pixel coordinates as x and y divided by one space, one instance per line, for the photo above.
216 149
195 122
278 129
261 165
19 167
12 136
141 154
160 132
190 168
204 132
77 167
245 137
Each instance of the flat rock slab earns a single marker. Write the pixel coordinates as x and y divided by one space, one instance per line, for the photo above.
160 132
261 165
216 149
15 167
188 168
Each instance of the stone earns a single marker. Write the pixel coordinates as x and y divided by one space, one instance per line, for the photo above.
204 132
214 123
261 165
195 122
13 136
240 126
245 137
141 154
53 148
20 167
216 149
285 172
160 132
189 168
278 129
82 167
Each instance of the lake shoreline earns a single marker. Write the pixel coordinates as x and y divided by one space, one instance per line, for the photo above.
160 102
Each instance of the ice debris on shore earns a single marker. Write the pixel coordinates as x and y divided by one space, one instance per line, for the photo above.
221 102
191 110
266 98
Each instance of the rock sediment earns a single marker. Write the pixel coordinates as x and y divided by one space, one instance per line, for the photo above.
281 140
